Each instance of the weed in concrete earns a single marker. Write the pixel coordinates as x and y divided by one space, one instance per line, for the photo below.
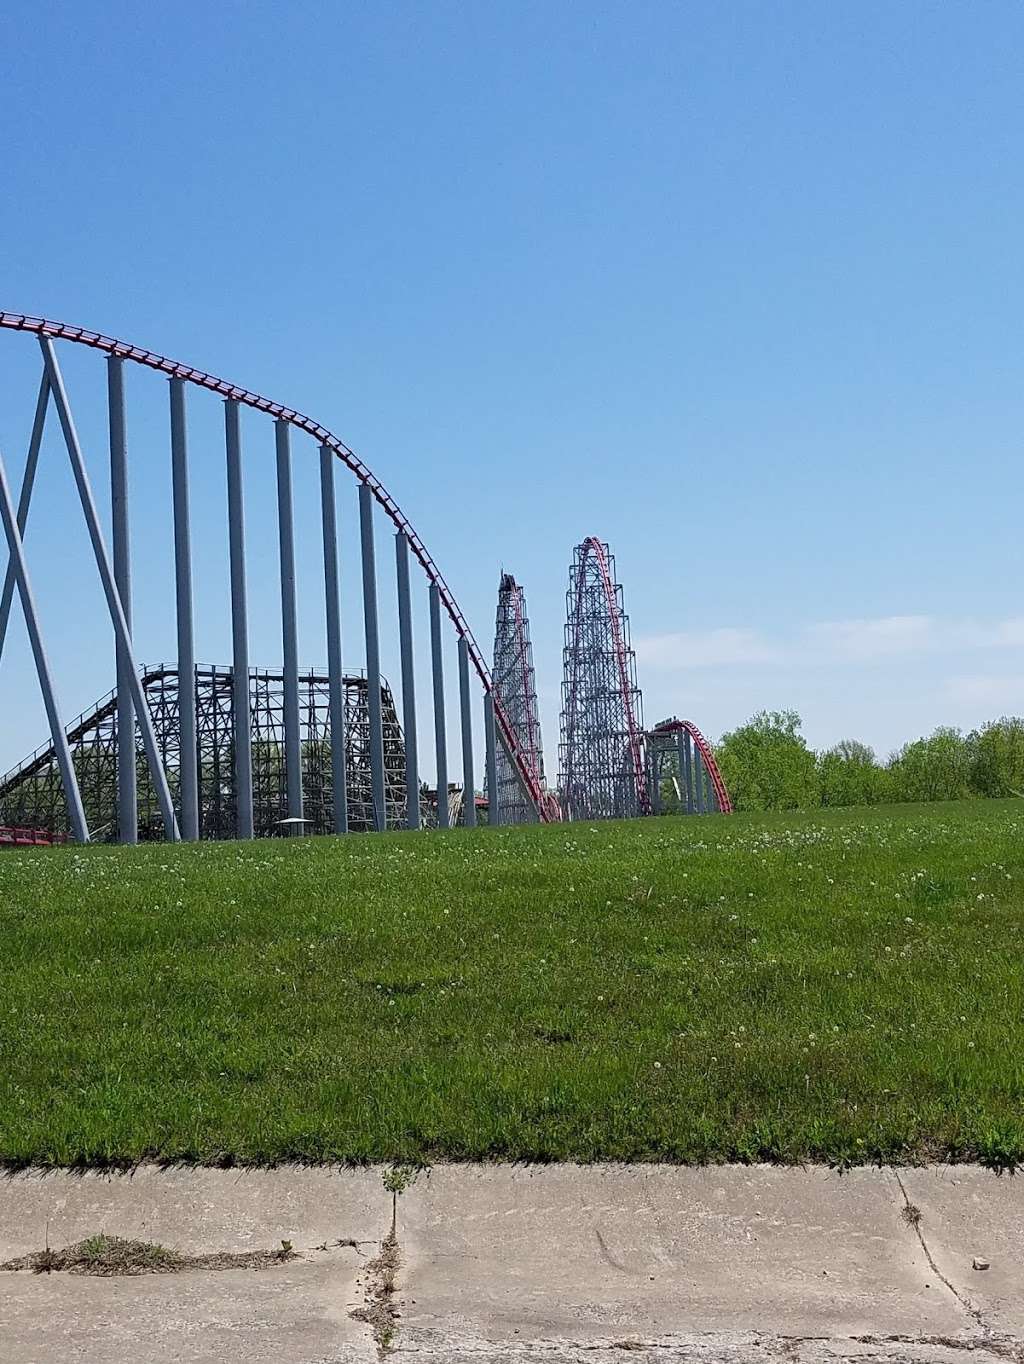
398 1178
911 1214
381 1310
111 1256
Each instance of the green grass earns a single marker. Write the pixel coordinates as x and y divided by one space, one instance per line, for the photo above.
842 987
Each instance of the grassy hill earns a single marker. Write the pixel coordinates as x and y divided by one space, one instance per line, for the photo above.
844 987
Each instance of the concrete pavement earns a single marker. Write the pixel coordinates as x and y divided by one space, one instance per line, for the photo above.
527 1264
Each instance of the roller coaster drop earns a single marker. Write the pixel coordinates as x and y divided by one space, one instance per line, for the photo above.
243 752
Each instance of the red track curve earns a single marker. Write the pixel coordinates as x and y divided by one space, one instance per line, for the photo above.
717 780
594 546
41 326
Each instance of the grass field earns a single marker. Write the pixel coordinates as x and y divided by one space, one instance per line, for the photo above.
845 987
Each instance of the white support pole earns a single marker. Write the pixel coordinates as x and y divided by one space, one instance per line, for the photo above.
127 793
72 795
335 675
25 500
188 755
121 633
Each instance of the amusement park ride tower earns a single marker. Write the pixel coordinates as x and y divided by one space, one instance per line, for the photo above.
515 690
601 754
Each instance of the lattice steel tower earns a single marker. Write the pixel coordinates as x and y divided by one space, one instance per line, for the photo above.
601 757
515 690
32 794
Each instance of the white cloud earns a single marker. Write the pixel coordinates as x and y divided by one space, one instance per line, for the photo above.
863 640
987 690
701 649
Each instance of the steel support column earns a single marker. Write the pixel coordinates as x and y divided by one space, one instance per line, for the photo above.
372 656
241 703
468 776
121 636
25 499
440 726
188 757
655 778
336 684
687 756
491 758
698 781
289 624
72 795
127 794
412 774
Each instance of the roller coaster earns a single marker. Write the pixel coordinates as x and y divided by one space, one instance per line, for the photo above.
243 751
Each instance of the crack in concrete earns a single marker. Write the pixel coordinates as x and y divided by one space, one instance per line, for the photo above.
380 1310
1003 1347
726 1347
609 1257
768 1347
913 1219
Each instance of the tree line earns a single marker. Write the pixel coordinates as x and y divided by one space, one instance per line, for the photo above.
767 765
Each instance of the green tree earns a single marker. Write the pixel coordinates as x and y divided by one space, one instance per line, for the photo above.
997 768
936 768
850 774
767 765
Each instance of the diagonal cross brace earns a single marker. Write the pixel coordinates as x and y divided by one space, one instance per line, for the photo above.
24 501
117 616
60 740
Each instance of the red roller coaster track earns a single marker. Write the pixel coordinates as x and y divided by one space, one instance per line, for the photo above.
704 748
41 326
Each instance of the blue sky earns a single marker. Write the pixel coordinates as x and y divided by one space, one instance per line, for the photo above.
736 288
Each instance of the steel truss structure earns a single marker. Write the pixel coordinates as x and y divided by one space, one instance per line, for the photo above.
183 811
683 775
32 794
602 774
515 689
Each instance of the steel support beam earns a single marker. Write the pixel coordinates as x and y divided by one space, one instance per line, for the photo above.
372 656
336 684
655 777
468 782
241 702
127 794
491 759
698 780
686 769
289 624
188 758
440 724
412 772
25 499
72 795
121 635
